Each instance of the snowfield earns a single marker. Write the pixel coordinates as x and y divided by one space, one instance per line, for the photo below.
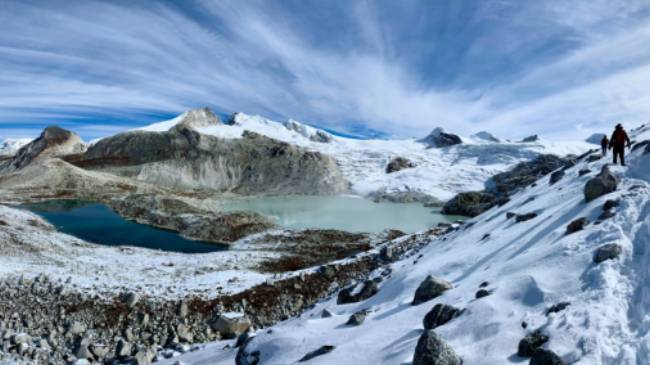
529 266
440 172
10 146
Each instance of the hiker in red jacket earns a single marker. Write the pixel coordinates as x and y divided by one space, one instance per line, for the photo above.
617 143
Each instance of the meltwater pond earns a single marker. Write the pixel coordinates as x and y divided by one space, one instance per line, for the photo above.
97 223
346 213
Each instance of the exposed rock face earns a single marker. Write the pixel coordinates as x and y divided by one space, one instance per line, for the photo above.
470 203
487 136
438 138
533 138
176 215
185 158
53 142
524 174
432 350
609 251
198 118
439 315
430 288
603 183
399 163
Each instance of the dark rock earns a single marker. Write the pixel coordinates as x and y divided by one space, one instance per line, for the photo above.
510 215
399 163
555 308
469 204
247 356
556 176
439 315
640 144
603 183
321 351
524 174
432 350
357 318
525 217
53 141
606 215
609 251
610 204
533 138
529 344
583 172
430 288
593 158
484 284
326 314
439 138
231 326
347 295
577 225
482 293
545 357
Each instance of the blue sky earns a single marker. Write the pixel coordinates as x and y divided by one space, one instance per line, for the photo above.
378 68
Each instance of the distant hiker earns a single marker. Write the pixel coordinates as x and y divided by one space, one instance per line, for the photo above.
603 145
617 143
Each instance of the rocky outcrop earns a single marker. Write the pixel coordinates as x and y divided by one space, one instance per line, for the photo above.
198 118
184 158
399 163
524 174
176 215
321 137
406 195
533 138
349 295
487 136
53 142
432 350
604 183
438 138
470 204
609 251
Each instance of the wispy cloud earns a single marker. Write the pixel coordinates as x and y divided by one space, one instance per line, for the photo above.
550 67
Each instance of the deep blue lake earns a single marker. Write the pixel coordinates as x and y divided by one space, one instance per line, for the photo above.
98 223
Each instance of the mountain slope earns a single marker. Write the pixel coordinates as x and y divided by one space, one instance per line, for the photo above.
530 264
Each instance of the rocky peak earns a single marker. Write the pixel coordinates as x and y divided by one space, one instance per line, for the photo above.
487 136
439 138
54 141
197 118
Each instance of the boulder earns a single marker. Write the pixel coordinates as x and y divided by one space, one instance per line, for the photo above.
230 326
583 172
556 176
610 204
357 318
470 203
123 348
481 293
431 349
439 315
529 344
319 352
348 295
144 356
525 217
555 308
430 288
399 163
131 299
545 357
609 251
577 225
603 183
438 138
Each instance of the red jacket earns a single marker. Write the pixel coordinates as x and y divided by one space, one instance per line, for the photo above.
619 137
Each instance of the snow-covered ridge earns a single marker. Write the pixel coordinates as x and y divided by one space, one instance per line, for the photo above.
439 172
10 146
525 268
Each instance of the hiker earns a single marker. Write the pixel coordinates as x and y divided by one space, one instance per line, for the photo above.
603 145
617 143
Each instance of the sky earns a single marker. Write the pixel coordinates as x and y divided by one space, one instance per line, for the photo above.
388 69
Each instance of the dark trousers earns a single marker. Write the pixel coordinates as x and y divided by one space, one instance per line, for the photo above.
619 151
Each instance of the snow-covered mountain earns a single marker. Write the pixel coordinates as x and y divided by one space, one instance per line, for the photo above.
10 146
439 173
568 272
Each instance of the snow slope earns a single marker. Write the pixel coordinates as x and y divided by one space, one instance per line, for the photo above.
529 266
10 146
440 173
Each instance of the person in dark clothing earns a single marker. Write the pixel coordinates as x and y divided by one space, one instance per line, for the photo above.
603 145
617 143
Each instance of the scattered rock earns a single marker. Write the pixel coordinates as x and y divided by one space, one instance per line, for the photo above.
144 356
484 284
593 158
524 174
555 308
610 204
556 176
439 315
123 348
481 293
583 172
603 183
430 288
348 295
357 318
131 299
326 314
529 344
321 351
399 163
432 350
545 357
609 251
577 225
525 217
